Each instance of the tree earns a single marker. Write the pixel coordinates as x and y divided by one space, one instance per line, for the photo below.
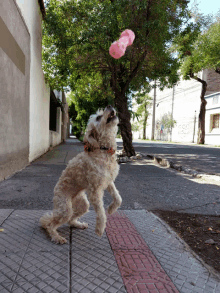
77 36
86 98
190 45
199 48
207 48
142 111
168 122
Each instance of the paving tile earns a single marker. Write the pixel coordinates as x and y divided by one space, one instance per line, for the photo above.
28 257
93 264
31 263
172 253
4 214
139 268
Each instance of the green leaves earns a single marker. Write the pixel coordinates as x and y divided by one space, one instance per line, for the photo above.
77 36
206 51
198 45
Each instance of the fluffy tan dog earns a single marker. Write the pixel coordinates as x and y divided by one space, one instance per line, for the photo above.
91 171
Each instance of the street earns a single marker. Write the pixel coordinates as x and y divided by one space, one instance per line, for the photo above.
141 183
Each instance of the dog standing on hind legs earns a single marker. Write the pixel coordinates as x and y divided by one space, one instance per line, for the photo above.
91 172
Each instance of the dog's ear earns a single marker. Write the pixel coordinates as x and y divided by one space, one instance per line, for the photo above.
91 137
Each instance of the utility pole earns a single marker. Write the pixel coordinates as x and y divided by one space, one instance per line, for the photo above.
153 117
172 113
194 129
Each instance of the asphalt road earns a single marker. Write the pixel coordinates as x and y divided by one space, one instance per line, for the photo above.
141 184
204 159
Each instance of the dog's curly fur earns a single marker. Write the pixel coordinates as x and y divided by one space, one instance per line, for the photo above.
91 171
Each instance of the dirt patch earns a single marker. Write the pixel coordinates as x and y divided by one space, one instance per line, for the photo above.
200 232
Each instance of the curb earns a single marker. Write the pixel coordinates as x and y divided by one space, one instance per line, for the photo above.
187 247
170 164
163 162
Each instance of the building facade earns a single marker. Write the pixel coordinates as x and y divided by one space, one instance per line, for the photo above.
15 58
181 104
25 98
213 119
32 12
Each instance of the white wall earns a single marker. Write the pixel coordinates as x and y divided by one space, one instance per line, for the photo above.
39 137
186 101
14 89
55 136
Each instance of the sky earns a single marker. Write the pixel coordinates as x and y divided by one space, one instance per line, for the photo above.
206 6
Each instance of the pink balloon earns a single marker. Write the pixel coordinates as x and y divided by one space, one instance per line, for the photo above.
118 48
130 34
124 41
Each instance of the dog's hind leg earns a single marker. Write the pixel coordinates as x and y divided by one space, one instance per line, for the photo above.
80 206
116 198
61 214
96 199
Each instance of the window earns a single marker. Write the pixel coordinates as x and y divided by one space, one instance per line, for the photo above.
215 100
215 121
54 112
53 115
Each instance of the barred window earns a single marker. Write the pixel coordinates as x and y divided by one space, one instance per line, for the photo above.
215 121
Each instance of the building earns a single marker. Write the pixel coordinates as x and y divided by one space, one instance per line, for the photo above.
182 104
212 129
25 99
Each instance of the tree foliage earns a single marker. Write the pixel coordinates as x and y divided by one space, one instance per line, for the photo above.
193 60
76 40
206 53
168 122
143 101
86 98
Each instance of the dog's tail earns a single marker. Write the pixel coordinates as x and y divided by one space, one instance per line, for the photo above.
46 219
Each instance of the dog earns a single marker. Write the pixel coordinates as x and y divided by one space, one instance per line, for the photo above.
91 172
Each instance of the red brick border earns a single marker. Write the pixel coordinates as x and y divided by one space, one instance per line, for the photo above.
140 270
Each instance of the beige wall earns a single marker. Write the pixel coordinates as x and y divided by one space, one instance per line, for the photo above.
186 106
39 136
14 89
185 102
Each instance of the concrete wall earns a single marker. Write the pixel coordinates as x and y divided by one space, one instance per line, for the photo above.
14 89
55 136
182 104
39 136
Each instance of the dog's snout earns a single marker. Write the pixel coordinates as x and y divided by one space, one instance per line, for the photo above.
109 107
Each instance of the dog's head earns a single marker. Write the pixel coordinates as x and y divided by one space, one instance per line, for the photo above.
102 127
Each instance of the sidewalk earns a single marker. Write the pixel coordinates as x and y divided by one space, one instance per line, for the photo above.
137 253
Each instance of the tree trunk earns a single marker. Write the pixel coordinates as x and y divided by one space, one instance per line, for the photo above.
145 120
201 125
125 124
